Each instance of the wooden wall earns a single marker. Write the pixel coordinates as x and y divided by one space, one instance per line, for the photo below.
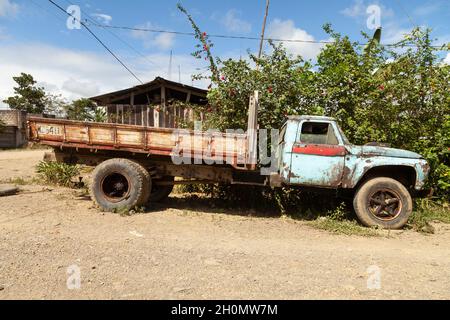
151 116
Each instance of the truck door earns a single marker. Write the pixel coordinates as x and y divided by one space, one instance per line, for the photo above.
318 155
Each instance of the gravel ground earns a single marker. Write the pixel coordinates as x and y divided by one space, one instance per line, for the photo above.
186 250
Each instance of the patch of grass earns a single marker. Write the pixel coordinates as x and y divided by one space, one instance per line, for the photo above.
19 181
126 211
345 227
337 221
426 212
57 173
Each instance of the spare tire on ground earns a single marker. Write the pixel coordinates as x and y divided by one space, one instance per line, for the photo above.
8 190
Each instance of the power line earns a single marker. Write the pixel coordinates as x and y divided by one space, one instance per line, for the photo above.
93 22
210 35
98 39
236 37
406 13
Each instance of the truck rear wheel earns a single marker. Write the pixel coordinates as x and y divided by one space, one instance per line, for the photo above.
383 202
120 184
161 192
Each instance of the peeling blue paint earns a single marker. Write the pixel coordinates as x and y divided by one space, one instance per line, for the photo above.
345 171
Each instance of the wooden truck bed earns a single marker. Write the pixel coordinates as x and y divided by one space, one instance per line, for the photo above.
137 139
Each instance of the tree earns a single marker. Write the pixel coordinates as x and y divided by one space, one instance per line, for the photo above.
398 95
28 97
99 115
81 110
55 104
284 83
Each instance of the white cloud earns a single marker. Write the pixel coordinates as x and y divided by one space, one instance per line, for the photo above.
163 41
393 33
8 8
81 88
103 18
447 59
76 74
427 9
234 23
279 29
359 7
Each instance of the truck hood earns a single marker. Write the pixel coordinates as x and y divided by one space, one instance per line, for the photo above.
372 151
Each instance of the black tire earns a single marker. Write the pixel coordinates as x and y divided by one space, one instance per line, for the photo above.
148 182
160 192
383 202
7 190
120 184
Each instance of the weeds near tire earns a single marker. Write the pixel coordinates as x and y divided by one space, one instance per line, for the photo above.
56 173
126 211
428 211
338 221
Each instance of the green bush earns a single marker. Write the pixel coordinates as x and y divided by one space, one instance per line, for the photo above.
428 211
57 173
399 95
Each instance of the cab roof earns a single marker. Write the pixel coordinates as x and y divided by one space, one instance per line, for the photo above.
316 118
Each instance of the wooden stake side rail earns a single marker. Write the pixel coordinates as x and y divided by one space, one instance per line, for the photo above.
138 139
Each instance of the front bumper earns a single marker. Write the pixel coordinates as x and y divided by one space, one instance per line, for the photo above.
423 170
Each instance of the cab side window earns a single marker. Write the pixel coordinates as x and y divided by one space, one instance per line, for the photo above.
318 133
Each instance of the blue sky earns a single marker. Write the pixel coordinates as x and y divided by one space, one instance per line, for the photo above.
34 37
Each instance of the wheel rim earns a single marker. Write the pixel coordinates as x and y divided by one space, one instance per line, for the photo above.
115 187
385 204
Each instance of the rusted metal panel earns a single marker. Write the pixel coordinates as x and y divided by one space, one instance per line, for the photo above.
342 165
102 136
159 141
361 159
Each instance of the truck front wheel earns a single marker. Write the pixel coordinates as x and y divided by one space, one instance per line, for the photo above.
120 184
383 202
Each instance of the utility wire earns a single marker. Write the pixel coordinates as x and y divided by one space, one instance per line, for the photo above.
210 35
237 37
93 22
98 39
406 13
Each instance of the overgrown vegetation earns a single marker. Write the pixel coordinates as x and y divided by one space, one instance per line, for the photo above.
428 211
33 99
84 110
397 95
28 96
126 211
57 173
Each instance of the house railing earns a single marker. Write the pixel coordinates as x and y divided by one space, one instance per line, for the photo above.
151 116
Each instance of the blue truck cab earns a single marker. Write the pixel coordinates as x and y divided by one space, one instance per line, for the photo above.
313 151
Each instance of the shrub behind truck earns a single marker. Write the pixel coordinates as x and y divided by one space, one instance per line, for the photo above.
136 166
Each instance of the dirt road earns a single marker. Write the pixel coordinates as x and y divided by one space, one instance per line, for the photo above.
186 251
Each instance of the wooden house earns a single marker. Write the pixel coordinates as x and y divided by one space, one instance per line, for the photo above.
152 104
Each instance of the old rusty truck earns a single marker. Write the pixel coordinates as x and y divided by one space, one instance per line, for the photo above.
138 165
